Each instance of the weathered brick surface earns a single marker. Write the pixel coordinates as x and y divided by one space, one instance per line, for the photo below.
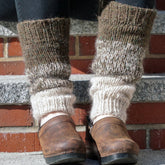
19 142
81 66
83 135
15 116
76 70
14 47
157 139
87 45
22 142
12 68
157 44
146 113
154 65
72 45
80 116
139 136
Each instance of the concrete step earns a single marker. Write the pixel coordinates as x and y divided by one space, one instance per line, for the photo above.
82 27
14 89
146 157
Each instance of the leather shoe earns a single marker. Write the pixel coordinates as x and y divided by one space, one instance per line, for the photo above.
113 142
60 142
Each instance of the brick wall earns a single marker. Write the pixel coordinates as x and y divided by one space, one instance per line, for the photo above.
146 121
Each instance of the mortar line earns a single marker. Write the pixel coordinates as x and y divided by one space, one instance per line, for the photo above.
31 129
90 57
147 138
5 48
145 126
77 47
10 59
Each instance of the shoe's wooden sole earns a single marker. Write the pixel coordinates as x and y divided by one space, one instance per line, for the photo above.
120 158
66 158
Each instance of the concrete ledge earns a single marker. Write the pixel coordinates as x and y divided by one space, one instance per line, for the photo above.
14 89
81 27
146 157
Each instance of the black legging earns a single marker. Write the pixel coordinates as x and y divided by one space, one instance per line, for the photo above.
41 9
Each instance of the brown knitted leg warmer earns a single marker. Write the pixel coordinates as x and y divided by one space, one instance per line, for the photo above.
45 49
123 36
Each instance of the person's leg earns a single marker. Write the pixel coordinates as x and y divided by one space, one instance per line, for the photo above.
123 35
40 9
7 10
43 30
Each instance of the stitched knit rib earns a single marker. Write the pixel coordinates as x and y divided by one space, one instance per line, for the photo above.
45 48
111 96
52 100
129 24
124 61
123 35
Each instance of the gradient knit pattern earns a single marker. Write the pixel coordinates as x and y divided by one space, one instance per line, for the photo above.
123 35
45 48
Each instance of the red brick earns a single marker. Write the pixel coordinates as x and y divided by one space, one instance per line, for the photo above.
87 45
83 135
37 143
1 47
154 65
160 4
14 48
80 66
12 68
72 46
157 44
23 142
19 142
139 136
146 113
157 139
80 116
76 71
15 116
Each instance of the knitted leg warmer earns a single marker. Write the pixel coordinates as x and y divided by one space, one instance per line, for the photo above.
45 47
123 36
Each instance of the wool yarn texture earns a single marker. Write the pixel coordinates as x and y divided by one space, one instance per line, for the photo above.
45 46
123 36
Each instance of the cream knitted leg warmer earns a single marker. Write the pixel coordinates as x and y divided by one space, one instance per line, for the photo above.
123 36
45 48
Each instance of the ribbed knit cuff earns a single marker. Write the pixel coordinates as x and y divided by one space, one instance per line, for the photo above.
52 100
125 23
110 96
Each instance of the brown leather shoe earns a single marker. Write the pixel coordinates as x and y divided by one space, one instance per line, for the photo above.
113 142
60 142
